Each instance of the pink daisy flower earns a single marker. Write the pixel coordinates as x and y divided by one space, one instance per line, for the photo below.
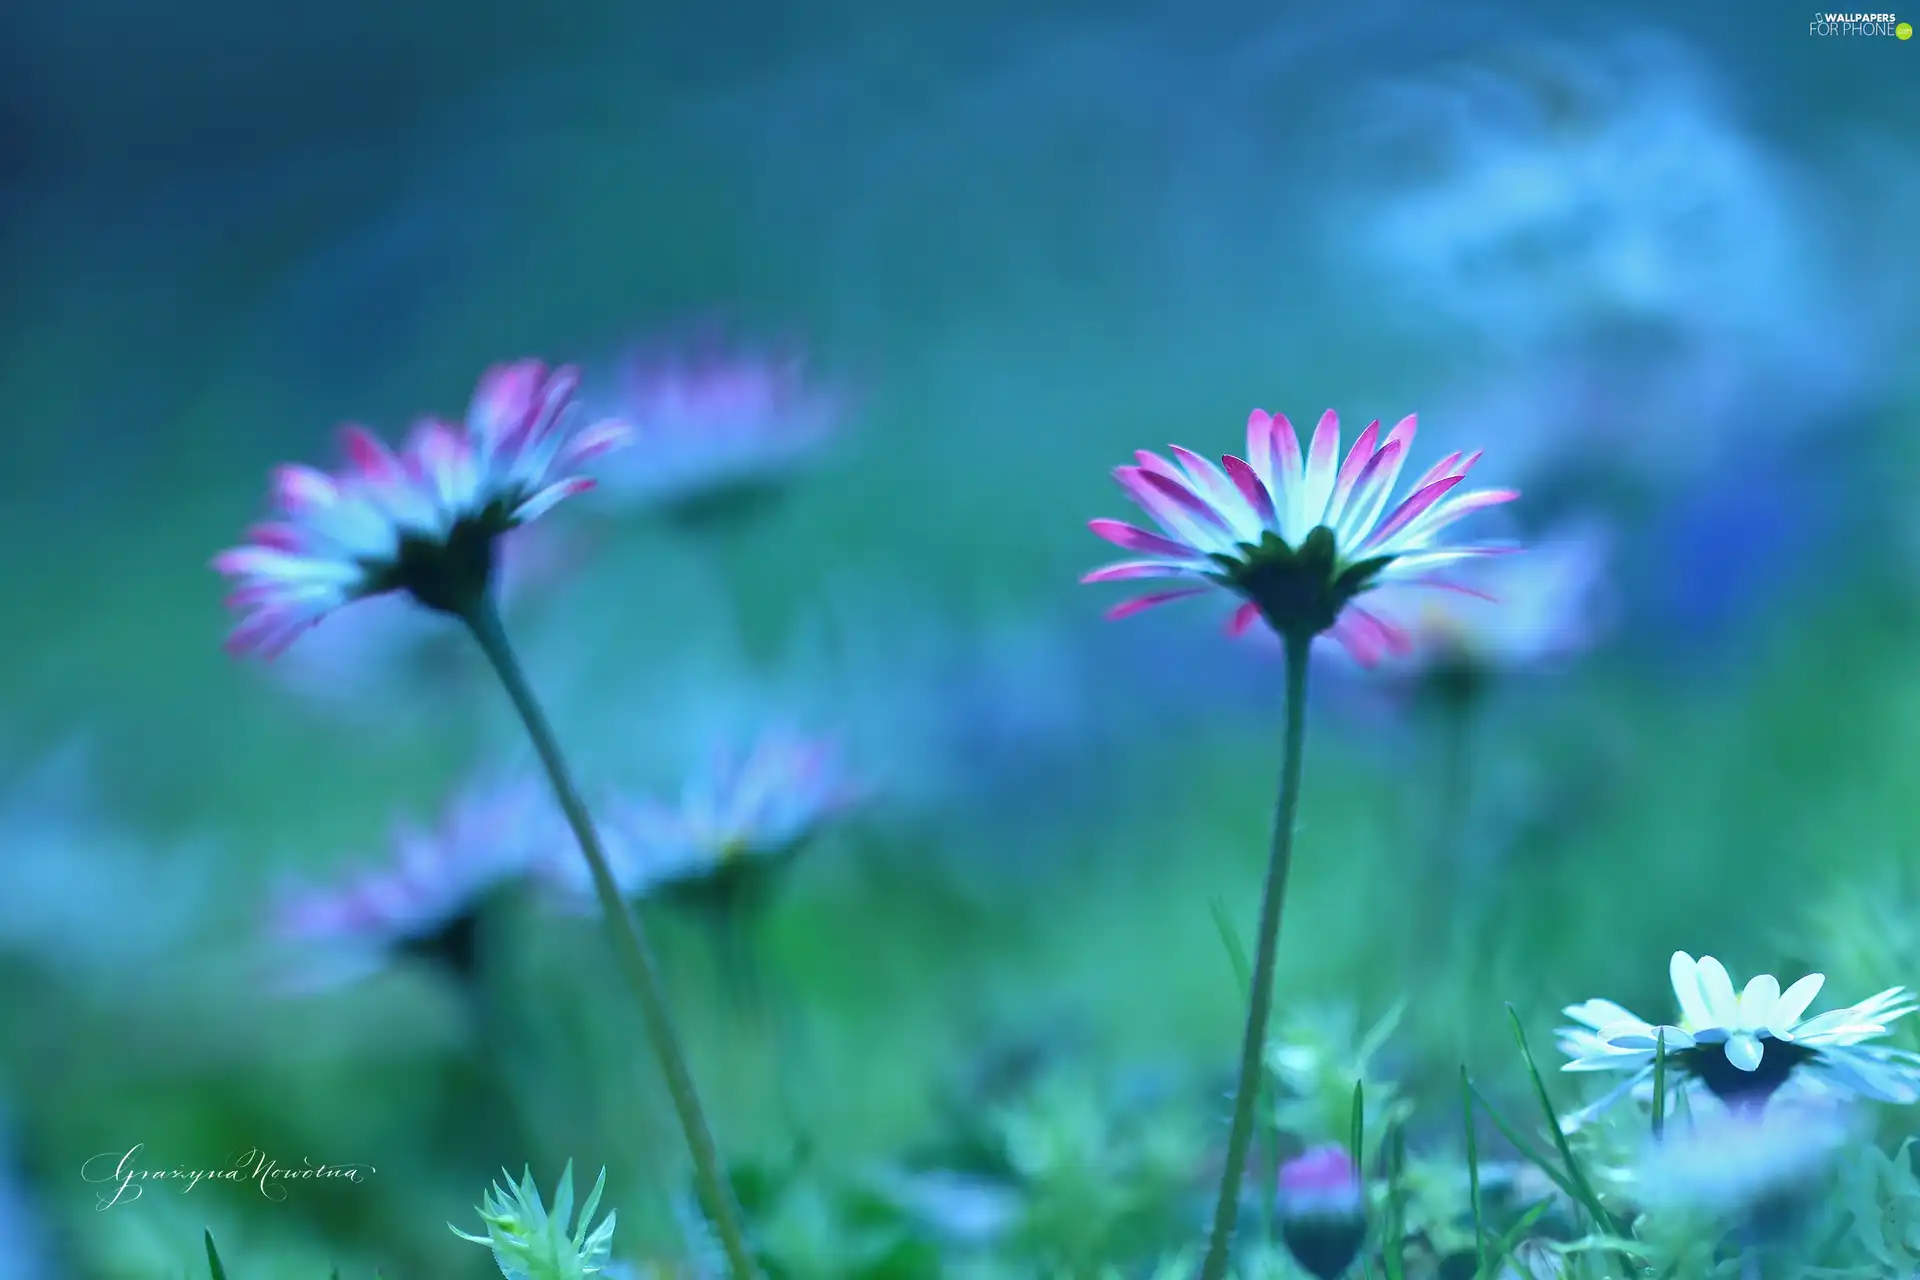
746 811
424 520
425 902
1297 538
715 421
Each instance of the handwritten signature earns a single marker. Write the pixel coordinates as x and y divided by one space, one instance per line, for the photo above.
129 1179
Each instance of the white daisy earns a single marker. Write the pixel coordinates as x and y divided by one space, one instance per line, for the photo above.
1742 1048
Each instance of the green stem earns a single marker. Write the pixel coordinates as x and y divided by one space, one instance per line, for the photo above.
630 945
1451 901
1260 1004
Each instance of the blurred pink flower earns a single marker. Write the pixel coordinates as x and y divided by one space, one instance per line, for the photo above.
745 809
424 520
427 899
1546 603
712 419
1322 1180
1298 539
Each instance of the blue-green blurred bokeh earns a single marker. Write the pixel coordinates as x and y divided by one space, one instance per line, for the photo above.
1657 264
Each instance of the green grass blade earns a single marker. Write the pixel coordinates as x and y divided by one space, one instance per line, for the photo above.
1660 1086
1504 1246
1393 1236
1584 1189
214 1269
1235 949
1357 1145
1357 1131
1532 1154
1473 1168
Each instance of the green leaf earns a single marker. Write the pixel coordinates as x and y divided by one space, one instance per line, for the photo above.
214 1269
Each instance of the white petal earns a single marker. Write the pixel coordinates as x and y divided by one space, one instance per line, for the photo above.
1793 1002
1758 1001
1694 1009
1716 988
1744 1051
1610 1062
1322 470
1883 1078
1642 1037
1598 1013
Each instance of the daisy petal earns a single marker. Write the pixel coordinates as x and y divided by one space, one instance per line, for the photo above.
1716 988
1128 608
1758 1001
1793 1002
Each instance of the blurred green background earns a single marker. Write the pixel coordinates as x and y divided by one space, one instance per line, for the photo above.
1662 262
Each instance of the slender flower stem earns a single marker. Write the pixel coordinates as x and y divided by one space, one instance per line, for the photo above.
1451 893
1273 899
630 945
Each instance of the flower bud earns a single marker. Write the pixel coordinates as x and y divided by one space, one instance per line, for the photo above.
1323 1211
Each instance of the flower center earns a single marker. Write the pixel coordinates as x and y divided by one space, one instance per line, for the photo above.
454 944
450 574
1300 591
1708 1064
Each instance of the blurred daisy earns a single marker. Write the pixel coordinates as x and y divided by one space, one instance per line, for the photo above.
715 423
745 815
1743 1047
1565 184
1543 605
424 521
1600 215
1740 1160
427 902
1298 538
